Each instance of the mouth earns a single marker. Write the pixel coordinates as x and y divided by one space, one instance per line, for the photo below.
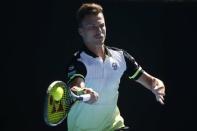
99 36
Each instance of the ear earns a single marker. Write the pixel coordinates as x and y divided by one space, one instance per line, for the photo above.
80 31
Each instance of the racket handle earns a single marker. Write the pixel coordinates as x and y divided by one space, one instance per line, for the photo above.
85 97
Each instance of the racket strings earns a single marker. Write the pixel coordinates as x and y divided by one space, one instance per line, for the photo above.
60 107
55 105
57 109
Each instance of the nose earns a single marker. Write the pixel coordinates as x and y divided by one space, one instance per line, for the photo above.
98 29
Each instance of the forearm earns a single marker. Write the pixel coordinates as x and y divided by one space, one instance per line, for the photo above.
147 81
78 87
154 84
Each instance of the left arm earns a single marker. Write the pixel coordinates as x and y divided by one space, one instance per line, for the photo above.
135 72
153 84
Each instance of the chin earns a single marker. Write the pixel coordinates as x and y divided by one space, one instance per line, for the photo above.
100 41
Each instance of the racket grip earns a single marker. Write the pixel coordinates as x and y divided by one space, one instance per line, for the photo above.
85 97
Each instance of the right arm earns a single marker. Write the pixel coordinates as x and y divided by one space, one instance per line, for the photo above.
76 73
78 85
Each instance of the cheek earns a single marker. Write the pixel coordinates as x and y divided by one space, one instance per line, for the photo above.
104 30
90 33
84 34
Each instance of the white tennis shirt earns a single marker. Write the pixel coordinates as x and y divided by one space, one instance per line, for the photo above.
104 78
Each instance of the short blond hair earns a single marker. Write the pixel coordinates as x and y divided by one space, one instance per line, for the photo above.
88 9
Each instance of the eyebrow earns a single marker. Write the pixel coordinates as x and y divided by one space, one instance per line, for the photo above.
102 23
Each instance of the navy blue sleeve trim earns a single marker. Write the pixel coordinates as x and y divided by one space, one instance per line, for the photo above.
75 69
133 70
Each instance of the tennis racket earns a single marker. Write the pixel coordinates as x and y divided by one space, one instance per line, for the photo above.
55 111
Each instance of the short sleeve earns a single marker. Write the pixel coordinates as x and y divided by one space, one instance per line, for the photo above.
75 69
133 69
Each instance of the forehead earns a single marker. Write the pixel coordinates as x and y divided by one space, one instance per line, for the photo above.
93 19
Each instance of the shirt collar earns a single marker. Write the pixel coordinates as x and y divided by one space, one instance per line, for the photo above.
87 51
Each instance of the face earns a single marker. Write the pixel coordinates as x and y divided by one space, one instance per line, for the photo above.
93 30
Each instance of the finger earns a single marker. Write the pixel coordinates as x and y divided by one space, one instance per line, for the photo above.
159 93
160 96
96 95
160 90
94 98
160 99
88 90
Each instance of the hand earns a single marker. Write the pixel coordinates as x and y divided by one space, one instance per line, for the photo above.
94 95
159 90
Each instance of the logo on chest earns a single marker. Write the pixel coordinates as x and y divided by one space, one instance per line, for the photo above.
114 66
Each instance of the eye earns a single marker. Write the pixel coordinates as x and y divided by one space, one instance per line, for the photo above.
102 25
91 27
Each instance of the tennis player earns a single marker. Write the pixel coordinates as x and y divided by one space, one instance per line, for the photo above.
97 70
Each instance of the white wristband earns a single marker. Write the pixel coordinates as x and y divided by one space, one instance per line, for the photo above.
86 97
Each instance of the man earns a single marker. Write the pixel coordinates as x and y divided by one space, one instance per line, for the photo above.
97 70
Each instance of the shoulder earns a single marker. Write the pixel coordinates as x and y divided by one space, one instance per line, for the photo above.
114 51
122 51
114 48
76 66
75 60
76 55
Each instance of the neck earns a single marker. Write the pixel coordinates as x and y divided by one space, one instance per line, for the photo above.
97 50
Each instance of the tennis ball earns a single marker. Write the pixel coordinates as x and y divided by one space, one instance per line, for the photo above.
57 93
